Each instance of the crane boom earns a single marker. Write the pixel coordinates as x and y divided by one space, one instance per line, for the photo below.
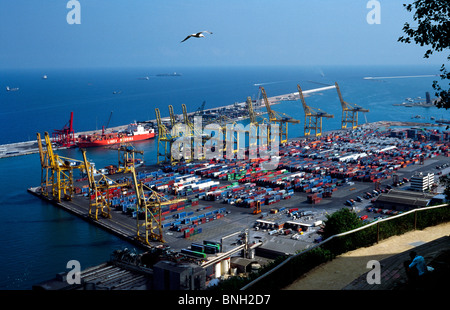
186 117
306 108
58 169
151 208
349 111
266 102
276 118
172 116
251 112
313 117
165 140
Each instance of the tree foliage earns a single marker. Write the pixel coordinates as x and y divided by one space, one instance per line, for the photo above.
445 180
433 30
340 221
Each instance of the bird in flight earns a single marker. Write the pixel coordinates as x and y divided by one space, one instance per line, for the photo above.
196 35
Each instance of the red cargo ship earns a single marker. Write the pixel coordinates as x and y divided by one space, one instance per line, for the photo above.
134 132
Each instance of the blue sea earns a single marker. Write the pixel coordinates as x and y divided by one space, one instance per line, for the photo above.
37 239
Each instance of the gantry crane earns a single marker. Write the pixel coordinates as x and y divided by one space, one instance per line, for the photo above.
173 120
65 137
58 171
45 167
263 131
195 135
251 112
254 124
275 118
200 109
165 141
126 157
150 205
232 134
313 117
100 203
349 111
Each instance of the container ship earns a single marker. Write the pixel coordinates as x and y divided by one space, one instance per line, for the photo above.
134 132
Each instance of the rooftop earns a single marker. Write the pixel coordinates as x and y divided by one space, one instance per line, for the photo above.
414 199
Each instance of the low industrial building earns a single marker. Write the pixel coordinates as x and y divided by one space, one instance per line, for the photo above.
173 276
243 265
403 200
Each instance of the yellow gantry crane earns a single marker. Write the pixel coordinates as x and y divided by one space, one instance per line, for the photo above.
275 117
56 171
196 136
150 206
253 123
45 167
251 111
224 123
101 202
349 111
173 120
313 117
165 141
127 157
191 133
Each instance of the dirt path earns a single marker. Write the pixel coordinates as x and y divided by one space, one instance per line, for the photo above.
336 274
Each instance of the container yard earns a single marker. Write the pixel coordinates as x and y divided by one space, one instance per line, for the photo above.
204 212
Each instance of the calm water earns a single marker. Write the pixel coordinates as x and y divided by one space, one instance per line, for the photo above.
37 239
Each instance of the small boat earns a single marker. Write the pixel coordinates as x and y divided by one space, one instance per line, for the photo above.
11 89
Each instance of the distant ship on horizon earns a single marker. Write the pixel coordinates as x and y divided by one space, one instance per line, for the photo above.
169 74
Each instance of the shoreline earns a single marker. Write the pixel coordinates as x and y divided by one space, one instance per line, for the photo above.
31 147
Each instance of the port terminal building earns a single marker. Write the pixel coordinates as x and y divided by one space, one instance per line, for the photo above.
422 182
403 200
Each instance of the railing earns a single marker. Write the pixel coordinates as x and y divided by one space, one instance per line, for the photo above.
377 223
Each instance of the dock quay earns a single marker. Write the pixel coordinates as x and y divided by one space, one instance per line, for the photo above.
213 226
31 147
19 149
237 111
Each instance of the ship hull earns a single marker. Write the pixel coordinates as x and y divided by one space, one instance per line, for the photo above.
115 140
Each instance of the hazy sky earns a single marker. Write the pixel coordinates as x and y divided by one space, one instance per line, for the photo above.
245 32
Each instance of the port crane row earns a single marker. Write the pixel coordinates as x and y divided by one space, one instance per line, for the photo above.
57 172
57 184
312 127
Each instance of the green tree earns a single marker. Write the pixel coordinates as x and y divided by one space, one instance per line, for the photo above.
340 221
445 180
433 30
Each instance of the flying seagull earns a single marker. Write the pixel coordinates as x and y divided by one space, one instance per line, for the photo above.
196 35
